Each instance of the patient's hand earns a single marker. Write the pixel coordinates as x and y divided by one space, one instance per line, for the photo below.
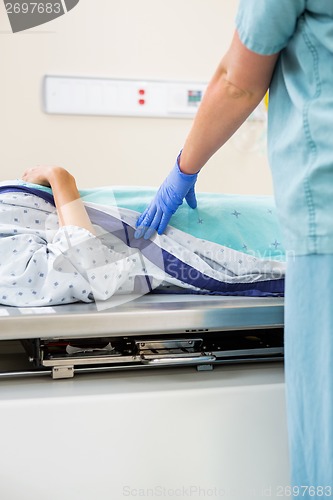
43 174
67 199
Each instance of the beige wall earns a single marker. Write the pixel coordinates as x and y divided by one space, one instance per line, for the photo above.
146 39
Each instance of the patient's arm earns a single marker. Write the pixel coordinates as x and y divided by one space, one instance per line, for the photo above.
71 210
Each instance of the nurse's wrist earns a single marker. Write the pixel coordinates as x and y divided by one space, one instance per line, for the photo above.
184 167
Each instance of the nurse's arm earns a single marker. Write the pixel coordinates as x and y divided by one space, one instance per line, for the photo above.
237 87
70 208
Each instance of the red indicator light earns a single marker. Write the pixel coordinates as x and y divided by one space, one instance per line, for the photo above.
142 92
142 102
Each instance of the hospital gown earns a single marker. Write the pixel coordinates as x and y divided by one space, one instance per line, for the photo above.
42 264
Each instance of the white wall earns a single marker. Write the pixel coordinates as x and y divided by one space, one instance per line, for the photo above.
150 39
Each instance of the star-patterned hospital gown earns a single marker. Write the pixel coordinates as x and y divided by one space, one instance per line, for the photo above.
42 264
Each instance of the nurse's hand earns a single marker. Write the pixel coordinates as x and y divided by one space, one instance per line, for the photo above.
169 197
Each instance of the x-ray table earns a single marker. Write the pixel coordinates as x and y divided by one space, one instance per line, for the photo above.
208 423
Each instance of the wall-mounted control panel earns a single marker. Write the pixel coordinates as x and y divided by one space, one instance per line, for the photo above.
67 95
115 97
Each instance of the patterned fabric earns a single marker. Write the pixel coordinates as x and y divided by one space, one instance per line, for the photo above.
55 265
43 265
245 223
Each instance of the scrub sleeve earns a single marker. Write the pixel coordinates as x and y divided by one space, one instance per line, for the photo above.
267 27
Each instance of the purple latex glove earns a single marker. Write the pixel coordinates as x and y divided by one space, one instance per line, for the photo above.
169 197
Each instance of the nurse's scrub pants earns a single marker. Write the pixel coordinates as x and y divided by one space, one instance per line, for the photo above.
309 373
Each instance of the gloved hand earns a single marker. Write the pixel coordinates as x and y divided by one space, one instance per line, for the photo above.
169 197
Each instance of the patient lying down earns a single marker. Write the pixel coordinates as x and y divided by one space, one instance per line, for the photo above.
58 250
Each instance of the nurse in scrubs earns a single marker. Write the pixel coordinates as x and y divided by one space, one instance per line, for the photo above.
285 46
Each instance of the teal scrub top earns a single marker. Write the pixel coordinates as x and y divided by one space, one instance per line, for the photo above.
300 117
